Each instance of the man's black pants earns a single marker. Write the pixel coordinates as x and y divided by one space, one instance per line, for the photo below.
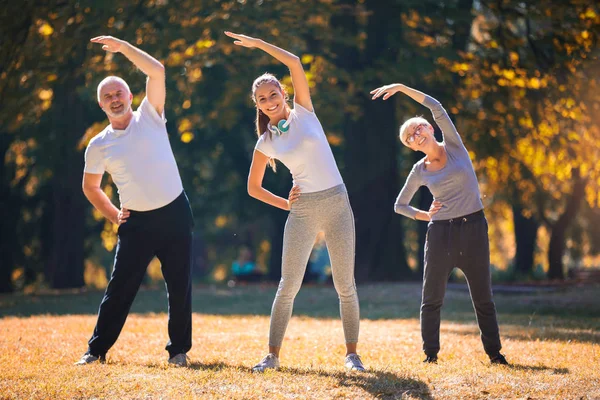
167 234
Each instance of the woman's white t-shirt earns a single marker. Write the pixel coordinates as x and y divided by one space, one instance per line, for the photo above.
304 150
139 160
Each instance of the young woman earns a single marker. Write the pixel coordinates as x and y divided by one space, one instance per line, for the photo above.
457 234
318 200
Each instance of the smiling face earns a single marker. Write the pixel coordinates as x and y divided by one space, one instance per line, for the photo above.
417 134
114 98
270 99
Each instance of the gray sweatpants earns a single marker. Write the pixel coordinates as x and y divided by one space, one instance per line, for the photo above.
462 243
328 211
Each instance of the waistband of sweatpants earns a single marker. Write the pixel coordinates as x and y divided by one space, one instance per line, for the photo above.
181 198
476 216
323 194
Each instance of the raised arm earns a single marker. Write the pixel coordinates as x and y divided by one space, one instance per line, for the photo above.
156 91
440 115
255 189
299 81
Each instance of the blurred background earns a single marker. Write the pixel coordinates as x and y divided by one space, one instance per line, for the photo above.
520 80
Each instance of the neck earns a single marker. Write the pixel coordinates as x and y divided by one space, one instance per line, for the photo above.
121 122
285 115
435 152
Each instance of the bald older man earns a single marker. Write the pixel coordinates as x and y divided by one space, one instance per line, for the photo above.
155 218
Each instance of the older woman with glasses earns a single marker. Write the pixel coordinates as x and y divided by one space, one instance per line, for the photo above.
457 234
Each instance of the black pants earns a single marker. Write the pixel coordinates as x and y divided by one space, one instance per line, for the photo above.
167 234
458 243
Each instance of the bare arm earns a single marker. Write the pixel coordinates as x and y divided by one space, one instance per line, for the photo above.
156 91
99 199
255 189
299 81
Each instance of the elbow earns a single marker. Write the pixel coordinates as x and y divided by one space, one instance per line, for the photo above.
252 190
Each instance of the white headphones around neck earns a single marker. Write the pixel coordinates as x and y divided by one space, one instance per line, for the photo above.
282 127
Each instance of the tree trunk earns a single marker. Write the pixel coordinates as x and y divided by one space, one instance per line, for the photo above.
525 239
65 263
557 246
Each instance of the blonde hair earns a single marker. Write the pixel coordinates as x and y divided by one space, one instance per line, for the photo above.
261 119
110 79
409 126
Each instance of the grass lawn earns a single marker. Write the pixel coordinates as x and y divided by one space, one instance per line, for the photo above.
551 338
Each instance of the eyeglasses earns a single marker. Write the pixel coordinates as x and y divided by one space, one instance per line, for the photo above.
411 138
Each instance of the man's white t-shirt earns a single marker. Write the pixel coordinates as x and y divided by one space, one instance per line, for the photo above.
139 159
304 150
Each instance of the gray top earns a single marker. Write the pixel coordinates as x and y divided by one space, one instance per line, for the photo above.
455 185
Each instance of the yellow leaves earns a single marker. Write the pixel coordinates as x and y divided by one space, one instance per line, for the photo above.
534 83
94 275
205 43
109 235
585 34
220 273
45 94
174 59
45 29
514 57
186 104
569 102
195 75
187 137
90 132
526 122
221 221
589 14
307 58
190 51
508 74
52 78
184 125
460 67
334 139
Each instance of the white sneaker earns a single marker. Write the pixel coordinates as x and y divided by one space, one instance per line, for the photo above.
353 363
179 360
87 358
271 361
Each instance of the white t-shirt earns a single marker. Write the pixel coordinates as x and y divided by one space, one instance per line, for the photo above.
139 159
304 150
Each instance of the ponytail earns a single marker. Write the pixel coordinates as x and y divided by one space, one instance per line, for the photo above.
261 127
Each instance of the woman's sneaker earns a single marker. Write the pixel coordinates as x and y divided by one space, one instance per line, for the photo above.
354 363
271 361
88 358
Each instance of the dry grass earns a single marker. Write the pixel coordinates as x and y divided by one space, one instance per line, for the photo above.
551 339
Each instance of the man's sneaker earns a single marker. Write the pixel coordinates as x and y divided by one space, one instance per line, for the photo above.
431 360
271 361
498 359
89 359
180 360
354 363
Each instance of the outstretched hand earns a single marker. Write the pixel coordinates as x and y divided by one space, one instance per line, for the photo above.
387 91
243 40
110 44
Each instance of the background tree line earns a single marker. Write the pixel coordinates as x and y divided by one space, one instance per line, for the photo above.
519 78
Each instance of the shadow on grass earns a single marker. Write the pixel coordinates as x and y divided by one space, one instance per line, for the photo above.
537 368
533 333
379 383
